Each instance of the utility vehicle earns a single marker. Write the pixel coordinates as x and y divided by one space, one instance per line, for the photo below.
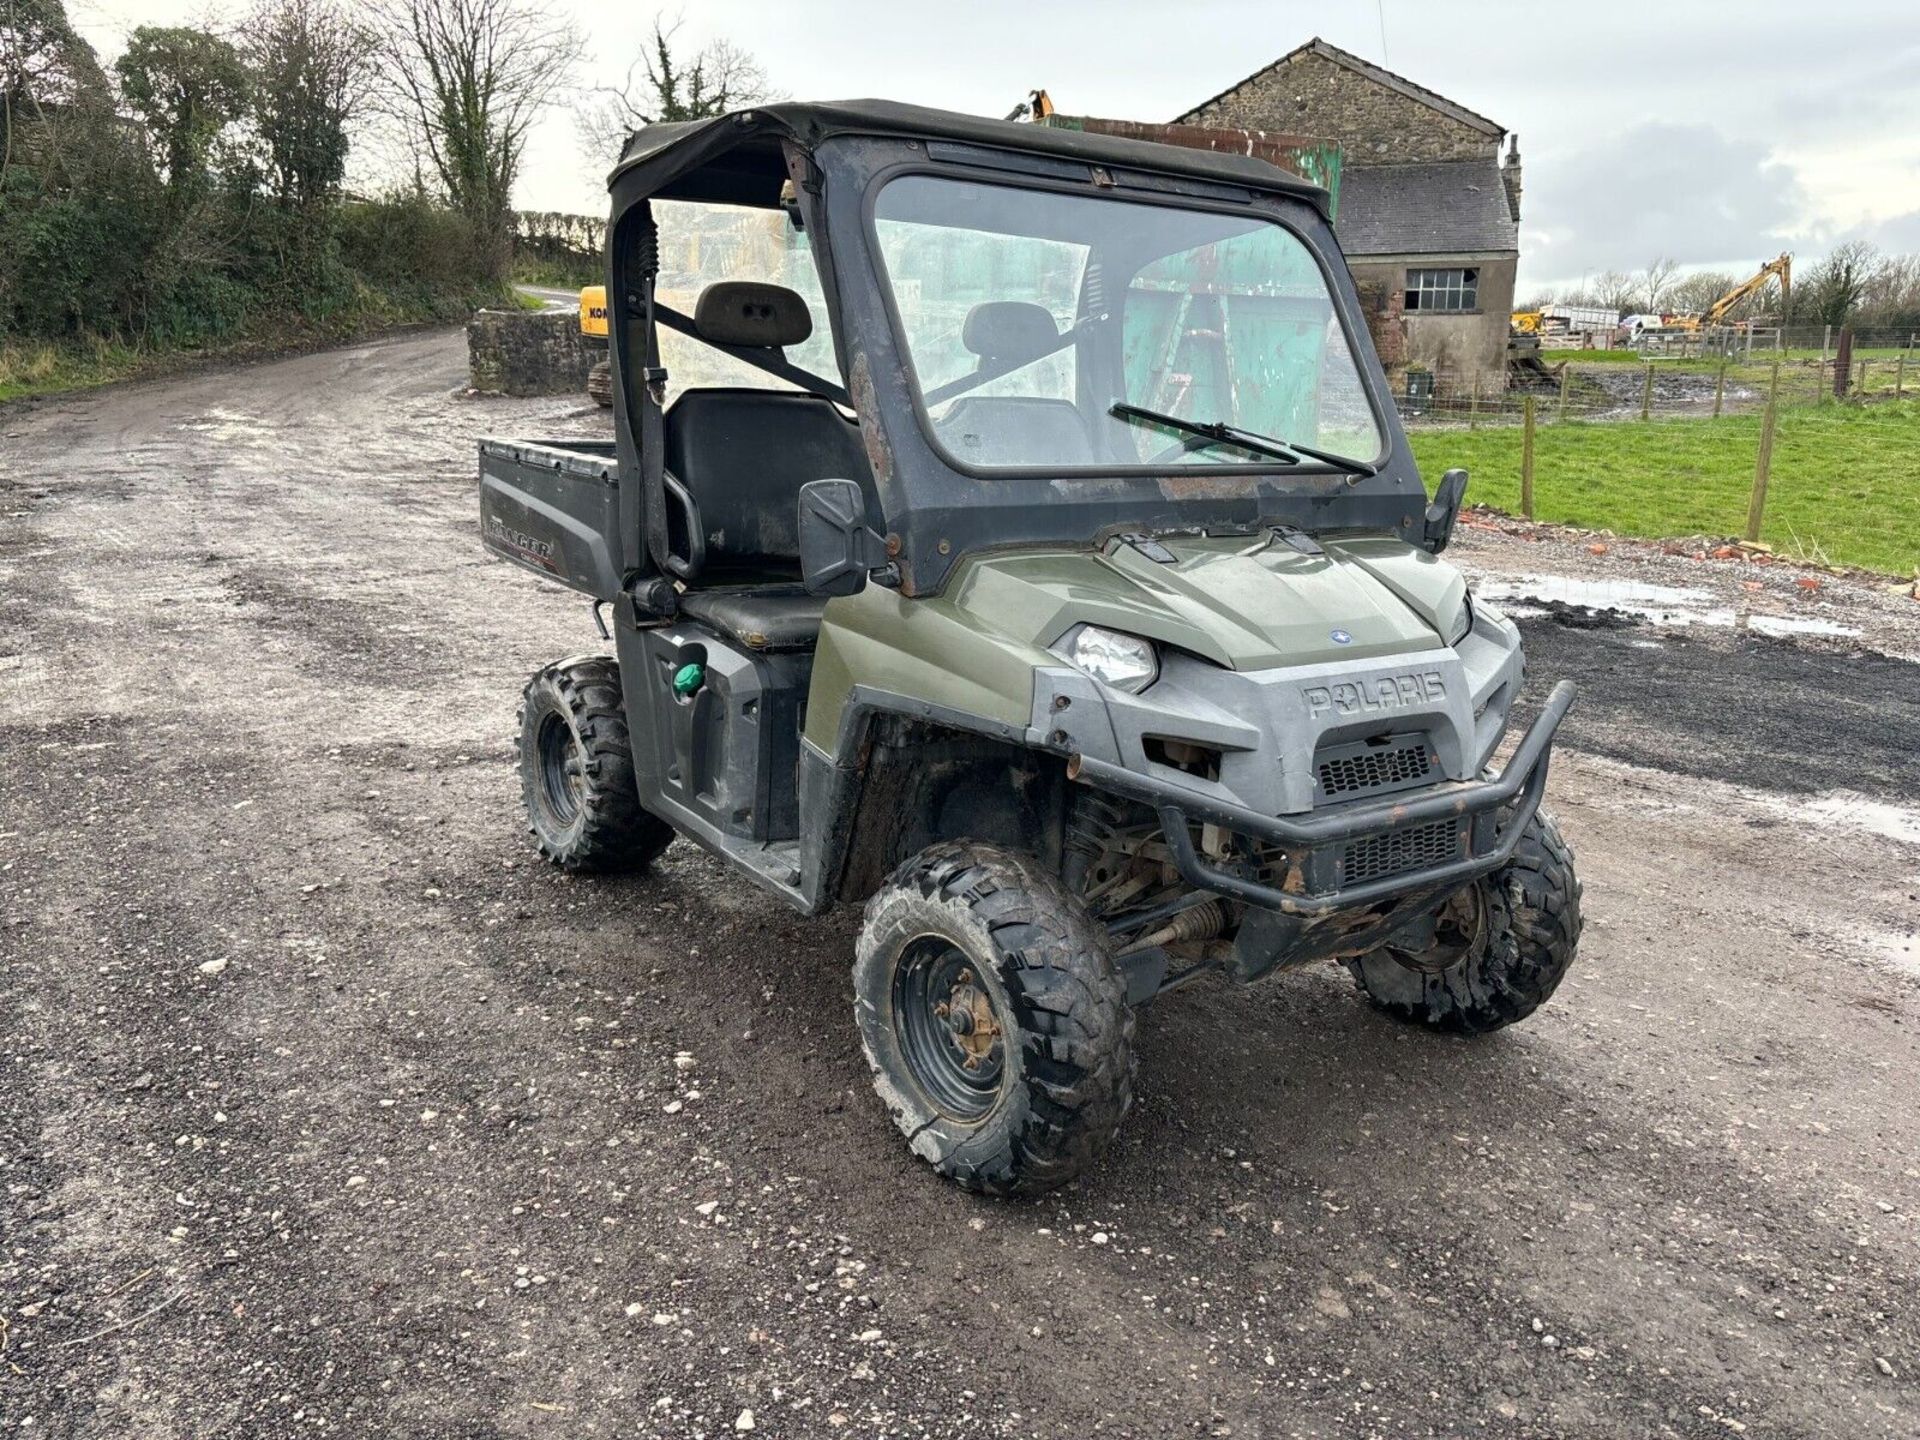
1008 528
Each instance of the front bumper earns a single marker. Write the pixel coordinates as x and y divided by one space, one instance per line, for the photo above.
1453 833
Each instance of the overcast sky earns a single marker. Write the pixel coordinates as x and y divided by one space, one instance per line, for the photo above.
1714 132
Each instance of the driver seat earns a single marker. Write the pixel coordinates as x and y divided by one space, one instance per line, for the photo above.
743 455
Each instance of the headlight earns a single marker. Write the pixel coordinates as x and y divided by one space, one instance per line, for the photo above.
1126 662
1462 622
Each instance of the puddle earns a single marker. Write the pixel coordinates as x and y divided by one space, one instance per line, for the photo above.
1844 810
1900 949
1674 605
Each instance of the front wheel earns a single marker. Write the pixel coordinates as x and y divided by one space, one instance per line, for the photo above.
993 1019
1499 947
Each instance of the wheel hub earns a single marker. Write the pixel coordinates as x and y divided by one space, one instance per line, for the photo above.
949 1029
971 1023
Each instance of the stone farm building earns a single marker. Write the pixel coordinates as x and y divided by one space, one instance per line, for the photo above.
1428 214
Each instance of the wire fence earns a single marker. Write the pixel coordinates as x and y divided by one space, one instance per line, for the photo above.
1640 387
1630 420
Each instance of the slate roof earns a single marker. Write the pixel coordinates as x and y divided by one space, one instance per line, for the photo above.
1437 208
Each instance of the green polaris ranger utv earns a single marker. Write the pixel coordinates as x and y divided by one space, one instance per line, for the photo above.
1009 529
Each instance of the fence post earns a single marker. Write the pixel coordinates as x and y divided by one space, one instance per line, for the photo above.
1646 395
1566 378
1526 457
1843 363
1860 387
1473 404
1720 384
1900 375
1826 344
1763 462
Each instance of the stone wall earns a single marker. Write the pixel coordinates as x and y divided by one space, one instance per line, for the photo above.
1374 124
517 352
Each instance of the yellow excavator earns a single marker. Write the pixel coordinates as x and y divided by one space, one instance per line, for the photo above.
1780 267
593 326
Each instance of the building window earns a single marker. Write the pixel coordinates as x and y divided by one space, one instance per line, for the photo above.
1443 290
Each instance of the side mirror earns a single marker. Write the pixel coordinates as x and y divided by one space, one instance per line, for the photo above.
1444 510
837 549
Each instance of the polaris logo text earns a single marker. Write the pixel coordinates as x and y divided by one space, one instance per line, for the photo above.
1387 692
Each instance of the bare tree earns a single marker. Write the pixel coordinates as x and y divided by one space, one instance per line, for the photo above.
468 78
1657 280
1694 293
1894 284
660 85
1617 291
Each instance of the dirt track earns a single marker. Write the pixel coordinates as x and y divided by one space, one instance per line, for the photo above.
325 1109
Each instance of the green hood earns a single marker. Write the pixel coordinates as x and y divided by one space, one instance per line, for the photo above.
1244 604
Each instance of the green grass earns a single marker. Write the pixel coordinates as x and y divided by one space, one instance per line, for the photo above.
34 367
1846 478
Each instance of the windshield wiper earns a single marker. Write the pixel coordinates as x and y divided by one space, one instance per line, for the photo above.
1220 433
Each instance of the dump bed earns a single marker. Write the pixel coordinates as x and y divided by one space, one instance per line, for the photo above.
554 507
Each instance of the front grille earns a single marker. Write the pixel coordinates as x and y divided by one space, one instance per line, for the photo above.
1394 764
1419 847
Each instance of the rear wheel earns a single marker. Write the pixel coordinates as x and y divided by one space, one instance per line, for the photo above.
600 383
1498 950
576 771
993 1019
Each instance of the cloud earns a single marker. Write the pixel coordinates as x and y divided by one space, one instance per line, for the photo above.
1897 234
1685 192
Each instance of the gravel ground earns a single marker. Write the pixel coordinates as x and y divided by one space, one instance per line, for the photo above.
324 1108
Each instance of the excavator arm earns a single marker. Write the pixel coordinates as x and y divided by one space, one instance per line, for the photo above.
1782 267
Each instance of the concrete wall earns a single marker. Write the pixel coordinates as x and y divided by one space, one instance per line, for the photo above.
1456 346
1373 123
515 352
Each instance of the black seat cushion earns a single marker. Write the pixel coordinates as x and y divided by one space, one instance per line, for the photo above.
767 617
744 454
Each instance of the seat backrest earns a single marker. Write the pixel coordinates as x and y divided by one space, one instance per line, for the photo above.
744 454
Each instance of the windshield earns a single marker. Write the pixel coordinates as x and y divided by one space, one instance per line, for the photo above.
1028 315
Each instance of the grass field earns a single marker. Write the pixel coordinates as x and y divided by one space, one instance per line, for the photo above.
1845 482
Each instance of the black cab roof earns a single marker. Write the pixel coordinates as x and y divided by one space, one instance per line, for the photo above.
739 159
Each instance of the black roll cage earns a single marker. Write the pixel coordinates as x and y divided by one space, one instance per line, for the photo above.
934 512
